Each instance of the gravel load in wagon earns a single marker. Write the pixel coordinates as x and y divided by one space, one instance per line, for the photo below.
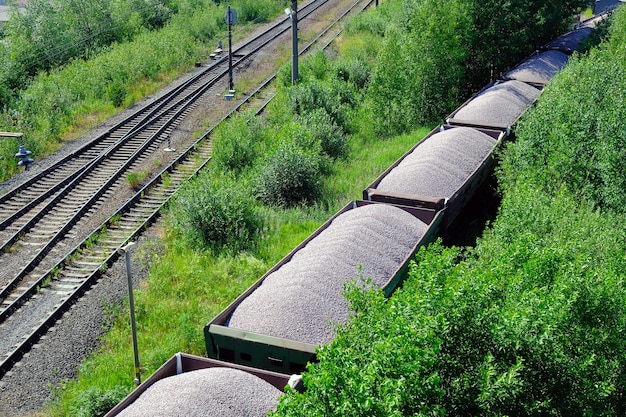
570 41
219 392
300 300
447 158
499 105
539 68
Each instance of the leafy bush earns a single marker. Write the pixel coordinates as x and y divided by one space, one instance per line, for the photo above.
95 402
216 214
325 131
309 96
315 66
354 71
290 176
575 136
237 142
116 93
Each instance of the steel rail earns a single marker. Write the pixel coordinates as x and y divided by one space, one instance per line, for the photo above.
171 119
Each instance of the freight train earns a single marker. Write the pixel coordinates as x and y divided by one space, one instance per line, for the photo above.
271 331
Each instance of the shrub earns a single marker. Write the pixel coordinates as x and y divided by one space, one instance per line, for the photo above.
315 66
575 136
116 93
290 176
96 402
215 213
325 131
354 71
309 96
236 143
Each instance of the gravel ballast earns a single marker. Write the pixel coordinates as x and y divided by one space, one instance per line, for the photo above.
302 299
440 165
499 105
219 392
539 68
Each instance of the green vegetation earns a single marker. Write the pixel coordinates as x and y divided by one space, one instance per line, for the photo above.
220 239
134 179
447 343
590 118
532 320
434 54
189 286
216 213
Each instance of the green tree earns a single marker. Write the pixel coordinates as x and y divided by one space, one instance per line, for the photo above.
576 136
421 68
504 32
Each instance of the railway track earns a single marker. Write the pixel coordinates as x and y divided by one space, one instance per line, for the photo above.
43 216
21 202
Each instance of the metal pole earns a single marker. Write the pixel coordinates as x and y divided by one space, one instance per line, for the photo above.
294 35
231 83
131 301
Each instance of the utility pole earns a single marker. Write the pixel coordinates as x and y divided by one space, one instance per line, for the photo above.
230 23
294 35
131 302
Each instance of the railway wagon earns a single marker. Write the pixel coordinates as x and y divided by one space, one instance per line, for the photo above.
281 319
497 106
569 42
441 172
539 68
196 386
